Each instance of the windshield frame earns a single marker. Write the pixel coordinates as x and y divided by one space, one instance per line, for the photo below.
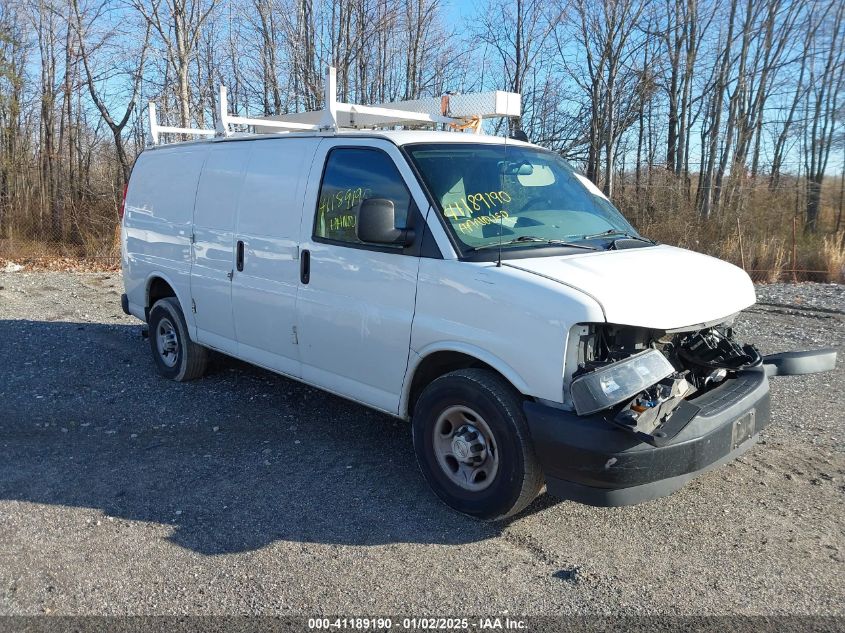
524 250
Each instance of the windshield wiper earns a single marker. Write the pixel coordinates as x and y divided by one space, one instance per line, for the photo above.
532 238
610 232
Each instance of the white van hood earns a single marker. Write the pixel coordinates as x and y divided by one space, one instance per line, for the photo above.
659 287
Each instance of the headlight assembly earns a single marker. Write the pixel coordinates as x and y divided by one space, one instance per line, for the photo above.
618 381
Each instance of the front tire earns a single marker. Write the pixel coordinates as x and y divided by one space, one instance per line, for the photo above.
473 446
175 355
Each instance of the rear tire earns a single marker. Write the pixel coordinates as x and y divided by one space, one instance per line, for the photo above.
473 446
175 355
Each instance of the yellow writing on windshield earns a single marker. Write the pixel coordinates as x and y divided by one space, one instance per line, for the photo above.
471 204
473 223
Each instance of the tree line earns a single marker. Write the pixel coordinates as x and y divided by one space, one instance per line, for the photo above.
700 110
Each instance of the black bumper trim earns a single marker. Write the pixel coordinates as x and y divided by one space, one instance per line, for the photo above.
124 303
799 363
611 497
588 459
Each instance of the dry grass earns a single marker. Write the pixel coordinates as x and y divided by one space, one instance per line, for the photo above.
757 228
87 236
60 263
833 256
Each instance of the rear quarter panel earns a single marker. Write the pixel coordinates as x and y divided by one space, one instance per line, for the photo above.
157 223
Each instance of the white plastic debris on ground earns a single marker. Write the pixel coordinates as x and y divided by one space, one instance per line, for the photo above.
11 267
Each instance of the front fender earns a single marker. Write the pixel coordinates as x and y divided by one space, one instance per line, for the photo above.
417 357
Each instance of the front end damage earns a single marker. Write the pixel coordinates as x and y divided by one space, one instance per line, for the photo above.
673 368
646 410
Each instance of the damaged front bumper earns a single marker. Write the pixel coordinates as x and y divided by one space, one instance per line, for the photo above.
592 460
588 459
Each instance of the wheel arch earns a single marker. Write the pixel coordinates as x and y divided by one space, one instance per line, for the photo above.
434 361
158 286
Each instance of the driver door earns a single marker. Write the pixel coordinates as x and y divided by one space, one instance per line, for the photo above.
356 301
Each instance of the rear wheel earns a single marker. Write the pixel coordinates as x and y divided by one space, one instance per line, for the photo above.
473 446
176 356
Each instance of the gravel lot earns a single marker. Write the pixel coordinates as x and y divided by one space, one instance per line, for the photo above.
244 492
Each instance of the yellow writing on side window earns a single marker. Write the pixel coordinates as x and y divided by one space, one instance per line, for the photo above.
342 222
343 200
471 204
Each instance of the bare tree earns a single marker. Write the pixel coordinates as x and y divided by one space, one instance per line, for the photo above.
518 33
13 60
116 126
271 94
823 110
712 128
606 33
47 34
178 24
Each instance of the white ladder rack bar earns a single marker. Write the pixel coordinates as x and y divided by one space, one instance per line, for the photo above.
225 119
387 114
392 113
156 129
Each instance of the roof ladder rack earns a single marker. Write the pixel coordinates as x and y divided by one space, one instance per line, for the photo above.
457 112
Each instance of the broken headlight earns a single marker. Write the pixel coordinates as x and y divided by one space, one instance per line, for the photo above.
619 381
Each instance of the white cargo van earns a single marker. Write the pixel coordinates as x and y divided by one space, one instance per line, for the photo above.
476 286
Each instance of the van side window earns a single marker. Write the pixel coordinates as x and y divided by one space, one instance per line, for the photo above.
351 176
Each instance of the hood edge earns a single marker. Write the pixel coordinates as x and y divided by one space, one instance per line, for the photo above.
563 283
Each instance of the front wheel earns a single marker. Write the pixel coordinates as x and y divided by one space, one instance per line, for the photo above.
176 356
473 446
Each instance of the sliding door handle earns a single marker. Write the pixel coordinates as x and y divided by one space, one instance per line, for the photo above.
305 266
239 260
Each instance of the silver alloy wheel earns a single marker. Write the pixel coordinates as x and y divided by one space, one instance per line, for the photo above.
465 448
167 342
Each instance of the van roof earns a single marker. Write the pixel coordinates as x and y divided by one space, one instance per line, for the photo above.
406 137
397 137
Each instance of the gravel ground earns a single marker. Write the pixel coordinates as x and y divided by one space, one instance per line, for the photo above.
244 492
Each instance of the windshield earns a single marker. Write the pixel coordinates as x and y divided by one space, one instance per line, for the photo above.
523 197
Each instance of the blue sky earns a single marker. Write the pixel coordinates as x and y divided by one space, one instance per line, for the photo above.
460 15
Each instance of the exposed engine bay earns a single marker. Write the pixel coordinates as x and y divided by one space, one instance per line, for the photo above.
642 380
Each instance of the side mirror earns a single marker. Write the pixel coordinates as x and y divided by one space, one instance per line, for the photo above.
377 223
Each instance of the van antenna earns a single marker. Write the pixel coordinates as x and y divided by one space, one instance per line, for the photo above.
502 188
